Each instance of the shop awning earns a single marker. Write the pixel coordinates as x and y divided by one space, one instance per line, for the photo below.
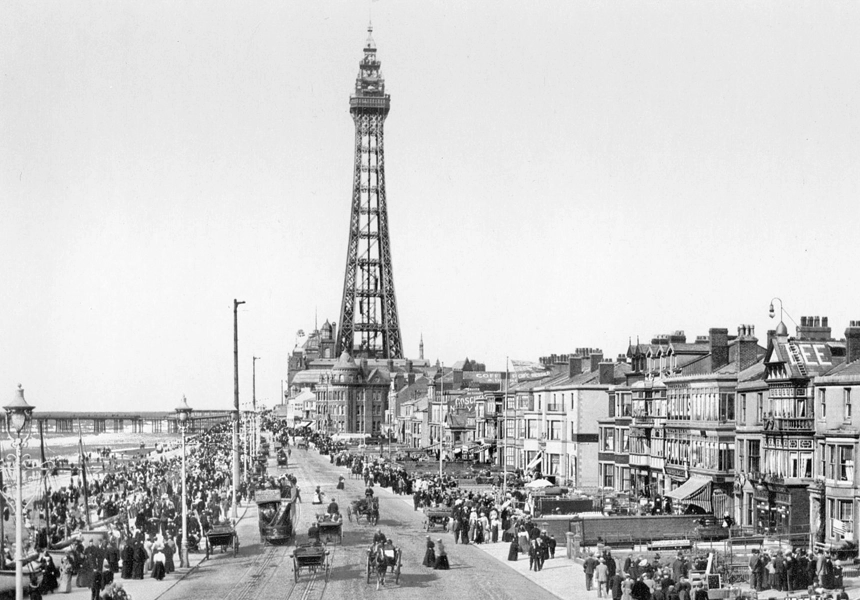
305 424
534 462
696 490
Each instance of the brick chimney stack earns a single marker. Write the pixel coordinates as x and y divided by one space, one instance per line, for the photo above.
596 359
813 329
718 338
574 365
852 341
747 347
607 372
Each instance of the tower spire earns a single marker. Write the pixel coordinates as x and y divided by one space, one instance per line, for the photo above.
374 328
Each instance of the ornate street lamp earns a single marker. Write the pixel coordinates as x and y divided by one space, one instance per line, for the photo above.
183 412
18 416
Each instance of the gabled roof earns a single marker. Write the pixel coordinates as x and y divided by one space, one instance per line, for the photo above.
803 358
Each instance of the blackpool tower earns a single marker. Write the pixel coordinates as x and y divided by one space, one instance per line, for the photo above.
368 312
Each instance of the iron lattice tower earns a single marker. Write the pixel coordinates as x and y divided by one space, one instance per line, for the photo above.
368 312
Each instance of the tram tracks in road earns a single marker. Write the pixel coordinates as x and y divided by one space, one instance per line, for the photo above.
313 586
258 575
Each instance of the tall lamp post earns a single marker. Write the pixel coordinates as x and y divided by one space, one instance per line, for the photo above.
255 441
183 412
18 415
441 417
235 414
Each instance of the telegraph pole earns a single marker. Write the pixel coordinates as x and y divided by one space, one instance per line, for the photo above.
235 421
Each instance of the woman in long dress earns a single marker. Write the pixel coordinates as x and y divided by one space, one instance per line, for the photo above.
169 551
65 579
140 558
523 540
514 550
441 556
127 560
49 573
430 554
158 564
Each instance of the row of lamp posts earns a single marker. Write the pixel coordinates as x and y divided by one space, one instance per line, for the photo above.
18 418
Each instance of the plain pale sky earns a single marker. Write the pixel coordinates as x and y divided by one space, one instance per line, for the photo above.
559 174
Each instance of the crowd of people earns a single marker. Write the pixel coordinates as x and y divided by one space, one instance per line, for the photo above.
794 570
138 505
477 517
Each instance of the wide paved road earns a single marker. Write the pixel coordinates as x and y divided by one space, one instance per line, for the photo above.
266 573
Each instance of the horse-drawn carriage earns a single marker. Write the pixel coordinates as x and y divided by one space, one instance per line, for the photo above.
381 558
224 536
330 529
311 558
366 507
275 517
436 516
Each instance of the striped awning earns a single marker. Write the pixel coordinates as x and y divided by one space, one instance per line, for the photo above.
534 462
696 490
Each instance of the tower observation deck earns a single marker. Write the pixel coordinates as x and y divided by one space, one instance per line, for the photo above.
369 325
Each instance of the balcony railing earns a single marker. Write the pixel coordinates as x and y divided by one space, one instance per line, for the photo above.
793 424
557 407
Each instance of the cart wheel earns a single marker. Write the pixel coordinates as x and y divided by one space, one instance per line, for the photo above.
327 570
295 571
235 545
397 573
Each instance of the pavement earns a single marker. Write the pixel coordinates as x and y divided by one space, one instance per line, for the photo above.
564 577
149 588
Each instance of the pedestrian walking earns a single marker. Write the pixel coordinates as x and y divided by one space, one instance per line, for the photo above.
601 573
589 566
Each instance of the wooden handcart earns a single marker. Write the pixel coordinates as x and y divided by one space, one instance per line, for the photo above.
225 537
311 558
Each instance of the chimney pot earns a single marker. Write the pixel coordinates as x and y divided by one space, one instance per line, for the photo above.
596 357
824 321
816 322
